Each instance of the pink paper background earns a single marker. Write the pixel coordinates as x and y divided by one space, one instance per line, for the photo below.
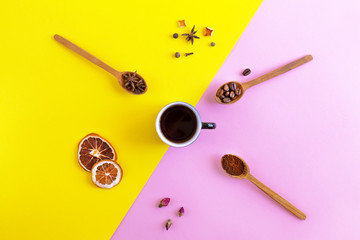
299 133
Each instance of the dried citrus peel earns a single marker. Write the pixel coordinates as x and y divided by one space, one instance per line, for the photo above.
106 174
94 148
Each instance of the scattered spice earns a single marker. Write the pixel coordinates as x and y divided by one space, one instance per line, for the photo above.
187 54
212 44
246 72
190 36
175 35
208 31
168 224
182 23
181 211
134 82
232 165
177 54
164 202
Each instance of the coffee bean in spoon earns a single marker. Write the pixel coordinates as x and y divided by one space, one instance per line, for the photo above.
228 92
232 86
226 100
219 92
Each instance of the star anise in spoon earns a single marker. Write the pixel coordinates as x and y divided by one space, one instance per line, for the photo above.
190 36
133 82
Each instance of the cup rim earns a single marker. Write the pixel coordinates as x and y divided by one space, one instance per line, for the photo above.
173 144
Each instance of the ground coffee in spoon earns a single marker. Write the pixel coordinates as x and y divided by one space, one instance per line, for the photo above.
232 165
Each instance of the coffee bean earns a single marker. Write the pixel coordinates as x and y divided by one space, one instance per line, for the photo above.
246 72
238 91
227 94
219 92
232 86
222 97
226 100
226 87
232 94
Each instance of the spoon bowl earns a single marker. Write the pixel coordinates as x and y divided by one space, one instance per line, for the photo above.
238 85
119 75
232 163
122 80
244 86
245 170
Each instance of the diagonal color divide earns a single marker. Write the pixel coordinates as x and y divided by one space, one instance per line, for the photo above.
50 98
299 133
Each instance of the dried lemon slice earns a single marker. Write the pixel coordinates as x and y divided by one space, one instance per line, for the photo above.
106 174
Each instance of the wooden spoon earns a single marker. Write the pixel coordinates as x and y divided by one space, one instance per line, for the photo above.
245 174
244 86
119 75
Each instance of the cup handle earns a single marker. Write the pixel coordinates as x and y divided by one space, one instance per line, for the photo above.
208 125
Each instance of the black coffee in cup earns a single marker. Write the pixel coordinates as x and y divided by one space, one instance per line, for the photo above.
178 123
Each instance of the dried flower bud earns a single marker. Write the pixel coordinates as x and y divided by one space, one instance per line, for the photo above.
164 202
181 211
168 224
208 31
182 23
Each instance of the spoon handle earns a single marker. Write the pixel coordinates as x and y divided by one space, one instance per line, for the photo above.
278 71
277 197
86 55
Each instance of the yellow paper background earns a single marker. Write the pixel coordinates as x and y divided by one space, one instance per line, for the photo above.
50 98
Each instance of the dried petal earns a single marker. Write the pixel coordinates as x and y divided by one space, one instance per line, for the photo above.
168 224
181 211
208 31
164 202
182 23
192 30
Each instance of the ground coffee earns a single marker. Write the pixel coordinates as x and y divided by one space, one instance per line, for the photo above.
232 165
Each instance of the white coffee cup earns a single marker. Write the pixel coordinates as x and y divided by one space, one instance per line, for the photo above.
199 125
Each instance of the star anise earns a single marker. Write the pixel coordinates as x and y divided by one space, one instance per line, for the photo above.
190 36
133 82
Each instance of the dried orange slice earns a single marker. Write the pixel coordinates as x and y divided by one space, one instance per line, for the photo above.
92 149
106 174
